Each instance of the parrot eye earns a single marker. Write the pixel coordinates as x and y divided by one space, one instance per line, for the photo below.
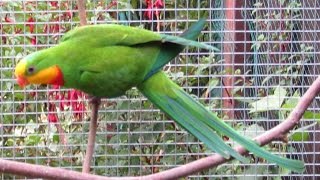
30 70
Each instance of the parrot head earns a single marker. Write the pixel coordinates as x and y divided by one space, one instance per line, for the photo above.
33 70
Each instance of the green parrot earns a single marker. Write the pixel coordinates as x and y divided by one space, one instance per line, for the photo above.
107 60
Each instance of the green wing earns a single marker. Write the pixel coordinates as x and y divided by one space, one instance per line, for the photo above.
170 50
110 34
113 34
116 40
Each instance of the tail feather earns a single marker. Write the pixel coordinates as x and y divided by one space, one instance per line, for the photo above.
202 123
161 91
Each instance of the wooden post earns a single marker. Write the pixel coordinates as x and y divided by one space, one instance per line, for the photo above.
234 50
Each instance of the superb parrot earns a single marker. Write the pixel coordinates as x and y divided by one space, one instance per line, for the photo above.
107 60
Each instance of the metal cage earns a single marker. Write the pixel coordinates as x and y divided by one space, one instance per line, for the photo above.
269 57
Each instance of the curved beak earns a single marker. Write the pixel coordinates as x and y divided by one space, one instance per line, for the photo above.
20 73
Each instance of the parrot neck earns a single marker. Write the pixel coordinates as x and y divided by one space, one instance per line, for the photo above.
58 80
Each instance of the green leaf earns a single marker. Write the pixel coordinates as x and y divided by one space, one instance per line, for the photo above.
252 171
32 139
251 131
270 102
292 103
213 83
312 115
10 142
53 147
261 37
301 133
299 136
31 127
56 138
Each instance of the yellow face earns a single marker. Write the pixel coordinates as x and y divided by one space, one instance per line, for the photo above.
29 75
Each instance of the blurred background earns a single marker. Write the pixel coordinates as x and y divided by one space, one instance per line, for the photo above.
269 57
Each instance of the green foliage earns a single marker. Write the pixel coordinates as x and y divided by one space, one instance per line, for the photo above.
123 145
279 63
269 102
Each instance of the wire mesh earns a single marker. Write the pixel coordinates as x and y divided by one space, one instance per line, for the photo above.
274 58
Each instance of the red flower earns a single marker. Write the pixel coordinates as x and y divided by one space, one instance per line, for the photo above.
17 30
52 115
158 4
112 4
54 28
77 107
54 3
33 40
67 14
30 24
73 99
7 19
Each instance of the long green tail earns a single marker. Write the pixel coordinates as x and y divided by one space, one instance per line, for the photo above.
200 122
